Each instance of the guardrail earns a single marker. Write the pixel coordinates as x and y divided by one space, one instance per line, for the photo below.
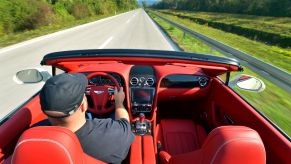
281 77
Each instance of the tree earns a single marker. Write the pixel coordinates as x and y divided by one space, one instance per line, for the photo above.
254 7
144 3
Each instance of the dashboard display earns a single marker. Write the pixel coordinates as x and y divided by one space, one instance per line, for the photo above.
142 95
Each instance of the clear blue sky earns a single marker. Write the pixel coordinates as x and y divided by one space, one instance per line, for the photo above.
148 0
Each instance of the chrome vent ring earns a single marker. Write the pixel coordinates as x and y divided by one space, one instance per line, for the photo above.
203 81
150 82
134 81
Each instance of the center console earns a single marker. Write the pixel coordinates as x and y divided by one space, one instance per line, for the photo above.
142 93
142 89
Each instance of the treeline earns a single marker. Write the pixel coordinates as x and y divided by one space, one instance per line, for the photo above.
252 7
21 15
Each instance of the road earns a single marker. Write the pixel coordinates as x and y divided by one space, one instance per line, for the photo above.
131 30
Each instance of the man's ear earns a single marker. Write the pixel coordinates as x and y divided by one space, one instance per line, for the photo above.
84 106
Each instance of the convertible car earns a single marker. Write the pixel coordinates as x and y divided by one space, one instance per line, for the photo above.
182 109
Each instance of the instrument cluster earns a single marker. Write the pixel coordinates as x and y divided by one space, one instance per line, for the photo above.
101 80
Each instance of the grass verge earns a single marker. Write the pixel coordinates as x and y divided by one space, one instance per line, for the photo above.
276 56
273 102
14 38
258 26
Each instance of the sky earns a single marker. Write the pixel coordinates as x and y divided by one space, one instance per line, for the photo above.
148 1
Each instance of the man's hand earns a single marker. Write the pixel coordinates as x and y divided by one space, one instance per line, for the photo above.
120 111
119 96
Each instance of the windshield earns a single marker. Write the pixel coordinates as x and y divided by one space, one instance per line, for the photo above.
254 33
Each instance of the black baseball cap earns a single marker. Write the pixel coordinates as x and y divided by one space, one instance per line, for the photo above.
63 93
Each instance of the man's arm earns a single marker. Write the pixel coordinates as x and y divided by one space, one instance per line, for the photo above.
120 111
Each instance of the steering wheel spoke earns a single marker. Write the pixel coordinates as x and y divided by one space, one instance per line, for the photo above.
88 89
111 91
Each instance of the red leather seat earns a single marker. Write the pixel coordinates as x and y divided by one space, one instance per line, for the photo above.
50 145
181 136
227 145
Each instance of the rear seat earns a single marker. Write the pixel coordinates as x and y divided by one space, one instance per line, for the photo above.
180 136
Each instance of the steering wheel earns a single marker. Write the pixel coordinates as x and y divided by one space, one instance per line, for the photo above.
100 94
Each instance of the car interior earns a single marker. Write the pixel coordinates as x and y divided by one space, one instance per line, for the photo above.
179 112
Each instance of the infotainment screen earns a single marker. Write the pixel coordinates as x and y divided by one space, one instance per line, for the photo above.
142 95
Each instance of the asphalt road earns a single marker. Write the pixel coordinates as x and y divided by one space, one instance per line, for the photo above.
131 30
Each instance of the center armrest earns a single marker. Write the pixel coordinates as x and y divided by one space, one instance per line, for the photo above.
142 150
136 151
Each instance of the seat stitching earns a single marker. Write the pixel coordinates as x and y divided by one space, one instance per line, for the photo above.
211 135
43 140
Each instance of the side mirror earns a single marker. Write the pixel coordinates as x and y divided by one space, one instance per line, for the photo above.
248 83
31 76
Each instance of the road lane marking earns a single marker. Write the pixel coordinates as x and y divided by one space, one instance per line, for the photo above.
159 31
106 42
128 20
131 18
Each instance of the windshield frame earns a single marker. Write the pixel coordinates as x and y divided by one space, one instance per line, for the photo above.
140 53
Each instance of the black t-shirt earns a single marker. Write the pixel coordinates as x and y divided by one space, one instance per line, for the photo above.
106 139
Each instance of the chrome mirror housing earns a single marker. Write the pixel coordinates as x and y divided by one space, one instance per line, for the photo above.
31 76
248 83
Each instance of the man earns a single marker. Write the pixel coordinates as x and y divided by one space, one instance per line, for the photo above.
63 101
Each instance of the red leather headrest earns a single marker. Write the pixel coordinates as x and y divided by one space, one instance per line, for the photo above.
233 144
48 145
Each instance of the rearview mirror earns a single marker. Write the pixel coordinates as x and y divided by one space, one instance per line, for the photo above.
31 76
248 83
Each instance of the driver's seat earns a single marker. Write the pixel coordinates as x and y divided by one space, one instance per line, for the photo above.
50 144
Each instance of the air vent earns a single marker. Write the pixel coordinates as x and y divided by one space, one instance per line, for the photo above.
150 82
203 81
134 81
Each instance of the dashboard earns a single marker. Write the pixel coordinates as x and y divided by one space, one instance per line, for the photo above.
184 81
173 87
183 87
144 86
144 77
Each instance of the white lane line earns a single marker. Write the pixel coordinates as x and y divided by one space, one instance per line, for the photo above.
128 20
131 18
106 42
159 31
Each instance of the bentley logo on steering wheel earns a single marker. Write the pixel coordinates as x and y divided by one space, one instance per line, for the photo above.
98 92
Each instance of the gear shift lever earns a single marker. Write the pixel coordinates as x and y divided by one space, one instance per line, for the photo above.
142 126
141 117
